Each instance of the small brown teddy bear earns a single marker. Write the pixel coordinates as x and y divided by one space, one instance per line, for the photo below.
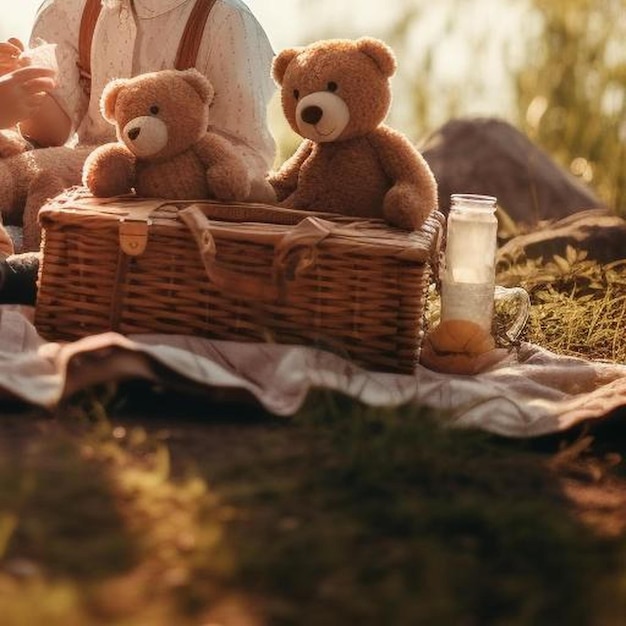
31 177
164 149
336 93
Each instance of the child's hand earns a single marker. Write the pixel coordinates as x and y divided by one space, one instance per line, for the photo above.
10 52
22 92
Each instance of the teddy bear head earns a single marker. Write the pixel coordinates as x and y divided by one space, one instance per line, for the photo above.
158 115
335 89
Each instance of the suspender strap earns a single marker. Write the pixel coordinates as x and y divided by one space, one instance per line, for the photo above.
85 35
192 36
187 48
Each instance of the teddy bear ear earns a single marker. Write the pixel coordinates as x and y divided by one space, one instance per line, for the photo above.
281 62
380 53
200 83
109 98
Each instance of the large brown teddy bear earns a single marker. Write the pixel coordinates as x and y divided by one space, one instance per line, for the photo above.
336 94
163 148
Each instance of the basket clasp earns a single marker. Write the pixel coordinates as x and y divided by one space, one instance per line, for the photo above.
133 235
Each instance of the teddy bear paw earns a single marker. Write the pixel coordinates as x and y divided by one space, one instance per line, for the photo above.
226 183
11 142
109 171
404 208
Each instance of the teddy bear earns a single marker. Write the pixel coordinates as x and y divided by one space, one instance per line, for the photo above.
336 94
164 148
30 177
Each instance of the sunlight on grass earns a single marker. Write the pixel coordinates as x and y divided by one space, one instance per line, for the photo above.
94 529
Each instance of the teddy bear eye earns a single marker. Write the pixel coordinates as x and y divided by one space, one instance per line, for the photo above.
332 86
296 94
154 109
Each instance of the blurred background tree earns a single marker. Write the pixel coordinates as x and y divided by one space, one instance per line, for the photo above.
555 69
571 91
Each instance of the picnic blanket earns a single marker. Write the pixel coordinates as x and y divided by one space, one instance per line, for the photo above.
530 392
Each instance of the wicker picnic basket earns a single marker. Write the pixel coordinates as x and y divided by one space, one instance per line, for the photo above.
245 272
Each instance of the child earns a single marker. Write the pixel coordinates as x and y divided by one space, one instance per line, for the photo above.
23 89
136 36
21 92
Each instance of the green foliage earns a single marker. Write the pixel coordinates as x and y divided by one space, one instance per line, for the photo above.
571 90
579 306
62 538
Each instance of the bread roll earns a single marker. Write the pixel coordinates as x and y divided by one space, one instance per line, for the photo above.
458 347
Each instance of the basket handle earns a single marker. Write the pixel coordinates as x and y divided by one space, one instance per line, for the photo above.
294 252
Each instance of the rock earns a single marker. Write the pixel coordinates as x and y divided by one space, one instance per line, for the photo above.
600 234
489 156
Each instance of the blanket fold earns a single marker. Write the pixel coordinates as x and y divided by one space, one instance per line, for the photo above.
531 392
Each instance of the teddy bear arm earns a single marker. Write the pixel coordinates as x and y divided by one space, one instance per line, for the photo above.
227 174
212 149
285 179
413 193
399 158
109 170
44 186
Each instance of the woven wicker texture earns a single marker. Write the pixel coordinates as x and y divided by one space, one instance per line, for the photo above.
244 272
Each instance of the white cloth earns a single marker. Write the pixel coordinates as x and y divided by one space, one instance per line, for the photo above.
532 393
235 55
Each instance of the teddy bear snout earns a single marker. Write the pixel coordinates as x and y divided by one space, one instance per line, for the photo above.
322 116
133 133
145 135
312 114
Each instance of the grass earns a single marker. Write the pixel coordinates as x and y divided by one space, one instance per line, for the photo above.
127 507
391 517
579 306
343 515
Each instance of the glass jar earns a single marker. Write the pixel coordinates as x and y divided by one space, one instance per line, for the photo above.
468 270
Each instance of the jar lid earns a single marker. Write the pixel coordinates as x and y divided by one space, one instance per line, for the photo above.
473 201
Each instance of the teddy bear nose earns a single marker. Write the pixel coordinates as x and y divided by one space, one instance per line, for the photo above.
133 133
312 114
